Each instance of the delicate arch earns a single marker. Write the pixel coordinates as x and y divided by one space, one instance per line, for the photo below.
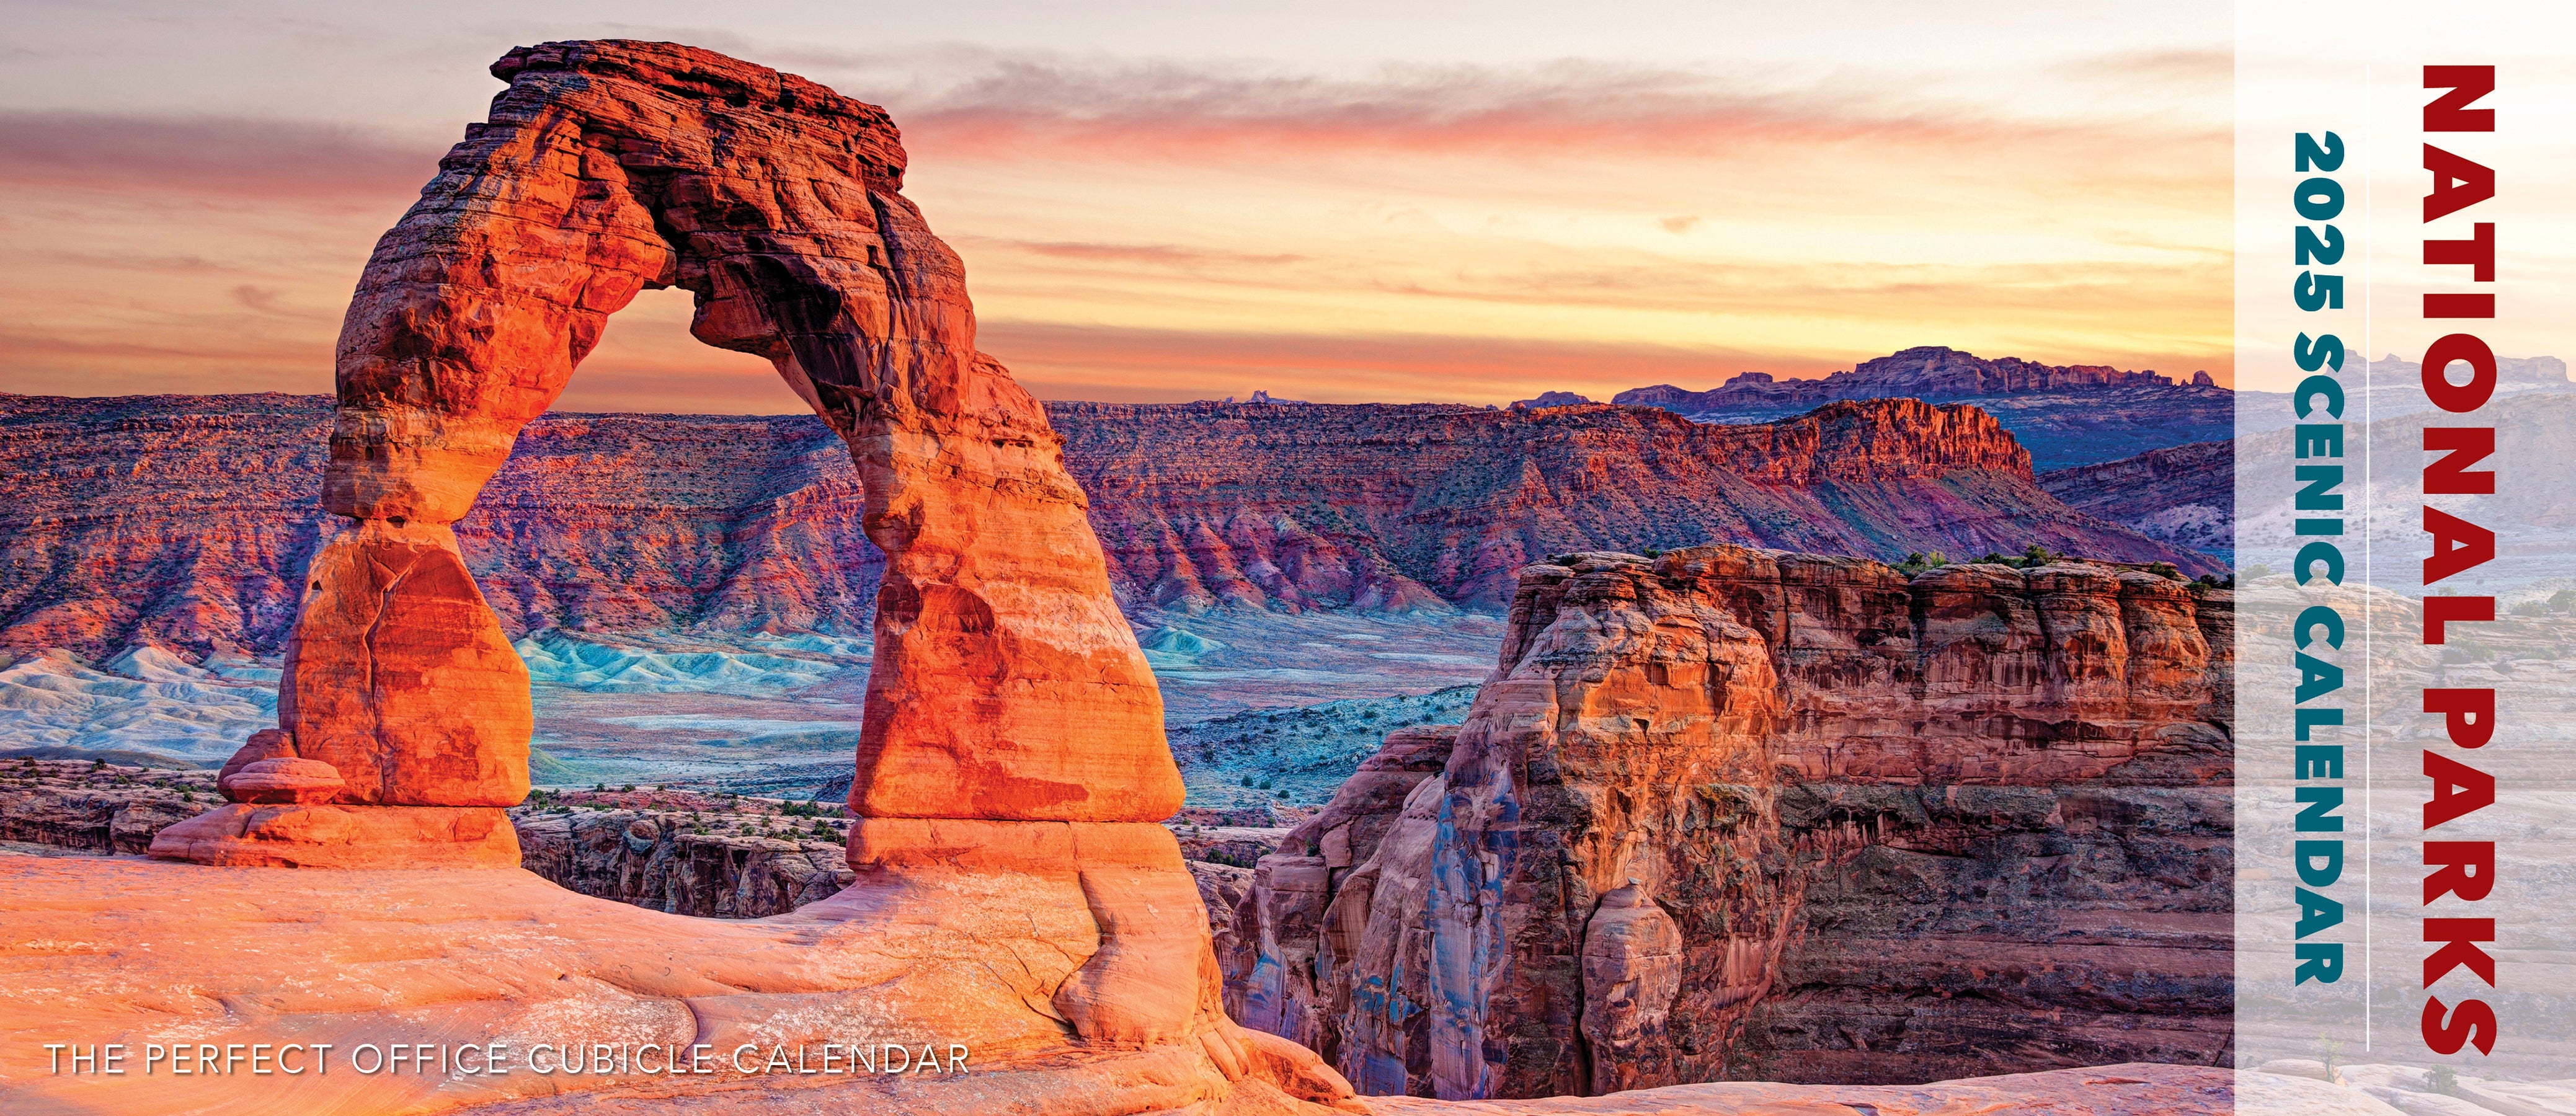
609 167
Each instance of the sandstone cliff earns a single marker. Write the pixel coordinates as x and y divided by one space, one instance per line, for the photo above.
1737 814
188 521
2066 414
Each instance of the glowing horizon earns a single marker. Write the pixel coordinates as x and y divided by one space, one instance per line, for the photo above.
1435 221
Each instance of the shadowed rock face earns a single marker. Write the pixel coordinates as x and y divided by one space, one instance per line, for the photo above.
2185 495
1736 814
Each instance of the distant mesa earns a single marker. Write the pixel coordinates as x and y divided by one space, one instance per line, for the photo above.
1550 399
1923 372
2067 415
2542 371
1263 397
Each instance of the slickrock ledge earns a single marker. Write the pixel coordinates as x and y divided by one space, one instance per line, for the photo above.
136 951
141 951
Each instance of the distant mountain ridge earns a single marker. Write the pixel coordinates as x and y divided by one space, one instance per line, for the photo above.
2066 415
186 521
2184 495
1922 372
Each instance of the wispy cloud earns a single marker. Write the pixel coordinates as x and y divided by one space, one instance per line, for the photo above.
1177 256
2197 71
1563 107
272 159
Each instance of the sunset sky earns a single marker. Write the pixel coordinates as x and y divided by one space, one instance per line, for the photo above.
1330 201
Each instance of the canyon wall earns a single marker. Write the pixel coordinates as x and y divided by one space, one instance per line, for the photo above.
661 861
1740 814
189 521
1297 506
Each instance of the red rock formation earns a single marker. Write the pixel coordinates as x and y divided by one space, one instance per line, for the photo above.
284 781
1730 812
776 201
188 521
1011 741
1405 507
303 835
399 676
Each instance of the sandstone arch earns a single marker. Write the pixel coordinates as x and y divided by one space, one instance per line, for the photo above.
606 168
1012 760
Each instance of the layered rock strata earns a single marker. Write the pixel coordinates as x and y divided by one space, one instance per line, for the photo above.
1744 814
188 521
1425 507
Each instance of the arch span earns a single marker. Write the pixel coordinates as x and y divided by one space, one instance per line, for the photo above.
1011 765
1006 684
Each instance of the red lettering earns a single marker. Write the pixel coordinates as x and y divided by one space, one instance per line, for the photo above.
2458 545
2460 447
2459 938
2450 112
2478 252
2467 714
2445 1032
2459 348
2458 183
2458 789
2439 612
2462 868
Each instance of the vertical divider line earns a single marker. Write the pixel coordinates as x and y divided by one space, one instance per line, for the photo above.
2369 658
